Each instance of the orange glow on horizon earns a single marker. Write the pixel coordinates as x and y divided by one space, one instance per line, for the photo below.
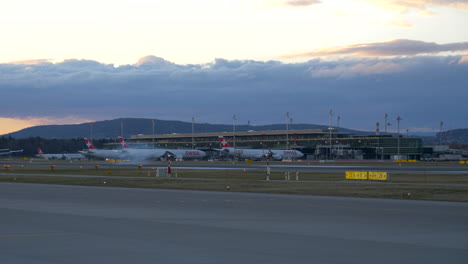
9 125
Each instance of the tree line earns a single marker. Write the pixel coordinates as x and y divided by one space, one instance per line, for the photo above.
30 145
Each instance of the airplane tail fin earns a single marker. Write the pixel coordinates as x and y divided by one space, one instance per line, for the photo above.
89 144
123 143
224 143
39 151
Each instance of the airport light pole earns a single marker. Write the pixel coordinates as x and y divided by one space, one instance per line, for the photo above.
193 129
398 139
377 133
92 131
152 121
287 130
234 130
440 134
330 128
386 123
121 128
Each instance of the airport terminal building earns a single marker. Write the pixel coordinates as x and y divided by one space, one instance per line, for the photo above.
316 144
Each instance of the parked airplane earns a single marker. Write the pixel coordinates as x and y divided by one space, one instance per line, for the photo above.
41 154
278 154
73 156
187 153
253 154
7 152
66 156
141 154
101 153
159 153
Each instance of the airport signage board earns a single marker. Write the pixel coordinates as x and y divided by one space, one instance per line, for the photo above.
405 160
367 175
356 175
378 175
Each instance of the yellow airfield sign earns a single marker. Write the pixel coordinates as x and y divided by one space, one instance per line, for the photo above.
367 175
356 175
378 175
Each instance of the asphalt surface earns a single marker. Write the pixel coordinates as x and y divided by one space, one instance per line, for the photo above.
329 167
75 224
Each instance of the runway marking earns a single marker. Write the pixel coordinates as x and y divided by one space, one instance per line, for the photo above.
32 235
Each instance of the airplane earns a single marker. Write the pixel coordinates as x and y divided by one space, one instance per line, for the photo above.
7 152
159 153
254 154
101 153
141 154
187 153
73 156
277 154
66 156
41 154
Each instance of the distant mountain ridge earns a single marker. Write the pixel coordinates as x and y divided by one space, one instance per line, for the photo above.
452 136
135 126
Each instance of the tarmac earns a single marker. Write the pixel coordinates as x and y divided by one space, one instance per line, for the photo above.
78 224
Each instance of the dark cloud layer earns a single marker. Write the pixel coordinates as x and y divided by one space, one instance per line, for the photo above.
398 47
423 90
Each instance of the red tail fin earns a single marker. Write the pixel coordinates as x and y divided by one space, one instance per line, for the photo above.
123 143
224 143
89 144
39 150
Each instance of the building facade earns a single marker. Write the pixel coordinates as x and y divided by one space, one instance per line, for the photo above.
314 143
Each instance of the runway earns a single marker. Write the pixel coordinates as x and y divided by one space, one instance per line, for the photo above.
75 224
330 167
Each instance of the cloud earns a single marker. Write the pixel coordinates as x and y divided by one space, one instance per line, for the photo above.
301 2
291 3
400 22
398 47
360 90
419 5
353 69
31 62
463 59
153 61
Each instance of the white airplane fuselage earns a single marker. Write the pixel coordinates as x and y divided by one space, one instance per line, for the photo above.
104 153
187 153
143 154
285 154
253 154
50 156
73 156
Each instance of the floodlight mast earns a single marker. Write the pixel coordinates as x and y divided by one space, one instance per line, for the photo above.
398 139
386 123
121 128
193 130
287 130
91 124
330 128
152 121
440 134
234 130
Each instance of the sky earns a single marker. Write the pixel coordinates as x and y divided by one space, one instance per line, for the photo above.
68 62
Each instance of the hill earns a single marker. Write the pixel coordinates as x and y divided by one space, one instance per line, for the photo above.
453 136
135 126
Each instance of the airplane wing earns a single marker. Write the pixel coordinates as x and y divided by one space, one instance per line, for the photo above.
9 152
